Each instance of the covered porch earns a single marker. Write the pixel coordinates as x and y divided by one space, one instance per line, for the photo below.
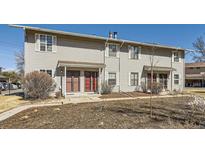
195 80
161 76
80 78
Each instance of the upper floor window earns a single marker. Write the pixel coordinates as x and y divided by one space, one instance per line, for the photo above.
134 52
133 79
45 43
112 50
176 56
112 79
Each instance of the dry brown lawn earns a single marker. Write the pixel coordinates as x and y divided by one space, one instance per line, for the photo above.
8 102
167 113
195 91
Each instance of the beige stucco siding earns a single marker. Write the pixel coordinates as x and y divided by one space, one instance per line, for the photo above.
93 51
68 49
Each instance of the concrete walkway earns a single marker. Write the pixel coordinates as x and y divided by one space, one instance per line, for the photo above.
74 100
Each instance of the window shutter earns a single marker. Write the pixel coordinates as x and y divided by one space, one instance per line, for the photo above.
118 51
37 42
129 51
140 50
106 50
172 56
54 43
129 79
106 76
180 56
117 78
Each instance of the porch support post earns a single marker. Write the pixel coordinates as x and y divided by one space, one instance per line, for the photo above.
99 81
65 93
82 81
157 77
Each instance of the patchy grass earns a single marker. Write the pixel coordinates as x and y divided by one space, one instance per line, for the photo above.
195 91
167 113
8 102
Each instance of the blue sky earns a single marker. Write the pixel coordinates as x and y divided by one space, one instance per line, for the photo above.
11 39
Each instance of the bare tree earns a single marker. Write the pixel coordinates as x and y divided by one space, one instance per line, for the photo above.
152 64
199 52
20 62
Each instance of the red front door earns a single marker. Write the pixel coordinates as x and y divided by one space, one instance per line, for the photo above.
91 81
73 81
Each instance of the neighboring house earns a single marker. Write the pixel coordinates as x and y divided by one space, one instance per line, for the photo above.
3 78
81 63
195 74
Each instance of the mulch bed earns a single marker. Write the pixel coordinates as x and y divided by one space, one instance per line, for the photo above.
123 94
167 113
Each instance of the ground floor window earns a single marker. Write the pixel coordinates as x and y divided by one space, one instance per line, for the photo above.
134 79
112 79
49 72
176 79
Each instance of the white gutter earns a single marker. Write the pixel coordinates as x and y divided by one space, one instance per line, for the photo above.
94 37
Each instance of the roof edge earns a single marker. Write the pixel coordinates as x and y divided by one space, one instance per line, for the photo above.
94 37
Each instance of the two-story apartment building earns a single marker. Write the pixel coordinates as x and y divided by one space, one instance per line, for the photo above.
81 63
195 74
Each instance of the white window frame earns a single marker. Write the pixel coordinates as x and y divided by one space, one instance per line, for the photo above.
38 42
46 71
131 78
173 56
117 50
115 78
176 79
132 49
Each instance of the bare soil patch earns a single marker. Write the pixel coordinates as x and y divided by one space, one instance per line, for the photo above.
121 95
167 113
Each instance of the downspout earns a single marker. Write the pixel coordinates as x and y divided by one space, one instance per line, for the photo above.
120 65
171 70
104 59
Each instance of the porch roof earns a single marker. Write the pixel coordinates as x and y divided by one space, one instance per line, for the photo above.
80 64
194 76
158 68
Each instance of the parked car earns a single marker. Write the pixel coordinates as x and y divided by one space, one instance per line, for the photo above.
1 87
5 85
13 87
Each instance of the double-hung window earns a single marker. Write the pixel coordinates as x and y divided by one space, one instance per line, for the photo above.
49 72
112 79
134 79
176 56
176 79
134 52
112 50
45 43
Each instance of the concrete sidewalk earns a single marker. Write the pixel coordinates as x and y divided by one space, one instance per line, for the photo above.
74 100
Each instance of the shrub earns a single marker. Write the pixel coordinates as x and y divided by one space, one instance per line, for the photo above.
143 87
156 88
105 88
58 94
38 85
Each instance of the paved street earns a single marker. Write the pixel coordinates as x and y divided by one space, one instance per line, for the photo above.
12 92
